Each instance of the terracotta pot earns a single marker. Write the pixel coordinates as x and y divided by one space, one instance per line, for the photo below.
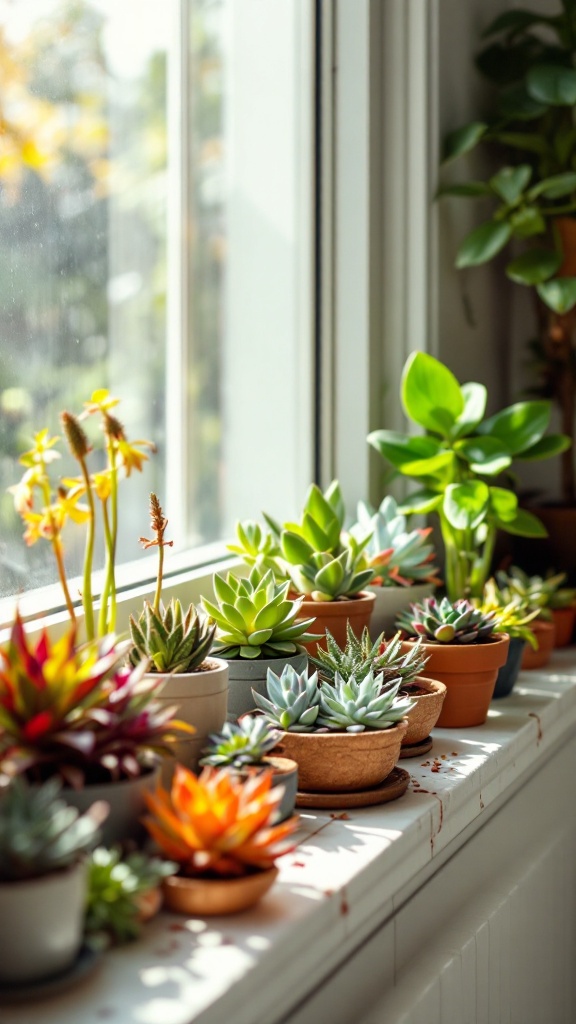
342 762
335 615
389 601
423 716
246 675
564 619
545 633
202 701
469 672
203 897
508 674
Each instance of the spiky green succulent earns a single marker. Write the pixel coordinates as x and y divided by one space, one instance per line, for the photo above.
447 622
39 832
399 557
355 705
255 618
293 701
171 639
241 743
256 546
360 656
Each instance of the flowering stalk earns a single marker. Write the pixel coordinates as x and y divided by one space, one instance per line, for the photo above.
159 524
80 448
106 622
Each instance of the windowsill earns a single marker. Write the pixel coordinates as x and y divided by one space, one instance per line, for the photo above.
350 873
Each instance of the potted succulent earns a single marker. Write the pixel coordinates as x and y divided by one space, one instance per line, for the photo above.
123 893
538 593
463 651
247 747
43 880
457 462
77 712
344 736
529 58
258 627
513 616
394 663
176 644
219 829
402 559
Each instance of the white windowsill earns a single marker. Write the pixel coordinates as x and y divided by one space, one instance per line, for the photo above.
348 875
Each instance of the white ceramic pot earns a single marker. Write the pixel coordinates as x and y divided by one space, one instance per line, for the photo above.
392 600
202 701
125 800
42 924
250 674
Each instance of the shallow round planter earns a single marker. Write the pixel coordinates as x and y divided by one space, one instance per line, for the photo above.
202 701
508 674
42 924
125 800
564 619
341 762
335 615
545 633
469 672
246 675
207 896
390 601
427 707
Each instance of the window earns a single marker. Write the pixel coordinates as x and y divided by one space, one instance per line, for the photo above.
156 173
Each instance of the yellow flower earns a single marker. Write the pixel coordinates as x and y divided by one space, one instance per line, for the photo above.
130 457
23 491
68 506
44 525
100 401
42 452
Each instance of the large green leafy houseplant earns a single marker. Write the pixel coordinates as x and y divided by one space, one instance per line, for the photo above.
530 58
458 460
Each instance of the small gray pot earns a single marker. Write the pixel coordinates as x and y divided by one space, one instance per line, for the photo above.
126 802
246 675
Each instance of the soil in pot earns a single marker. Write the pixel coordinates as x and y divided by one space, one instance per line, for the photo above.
545 633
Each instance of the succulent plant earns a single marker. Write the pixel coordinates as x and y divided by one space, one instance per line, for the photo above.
355 705
321 560
217 823
78 711
241 743
255 617
116 886
512 613
537 592
257 547
39 832
293 702
399 557
360 656
445 622
171 639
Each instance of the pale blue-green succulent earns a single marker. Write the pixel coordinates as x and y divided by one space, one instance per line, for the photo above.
241 743
293 701
355 705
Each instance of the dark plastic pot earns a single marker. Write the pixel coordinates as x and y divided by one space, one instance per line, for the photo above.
508 674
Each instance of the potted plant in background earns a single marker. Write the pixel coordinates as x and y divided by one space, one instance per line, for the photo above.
43 881
176 645
529 57
402 559
247 747
538 594
513 616
463 651
344 737
124 892
219 830
393 663
457 462
79 713
258 627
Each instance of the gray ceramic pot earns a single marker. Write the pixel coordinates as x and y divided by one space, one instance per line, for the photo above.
246 675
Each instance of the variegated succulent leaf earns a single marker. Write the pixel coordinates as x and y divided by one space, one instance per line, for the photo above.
173 640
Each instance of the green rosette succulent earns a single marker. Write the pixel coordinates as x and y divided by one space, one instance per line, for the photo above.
400 557
255 618
293 701
445 622
356 705
542 593
241 743
360 656
513 614
170 639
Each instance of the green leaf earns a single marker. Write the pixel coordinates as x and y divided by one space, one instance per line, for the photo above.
474 396
552 444
559 293
503 503
431 395
510 182
233 617
314 534
519 426
524 524
295 549
329 578
465 188
462 140
319 508
517 20
552 83
420 501
483 243
534 266
555 187
516 104
259 638
527 221
485 455
523 140
223 590
465 505
404 450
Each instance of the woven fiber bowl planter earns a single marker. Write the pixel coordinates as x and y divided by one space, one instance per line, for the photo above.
389 602
469 672
563 619
423 716
545 633
207 896
335 615
341 762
